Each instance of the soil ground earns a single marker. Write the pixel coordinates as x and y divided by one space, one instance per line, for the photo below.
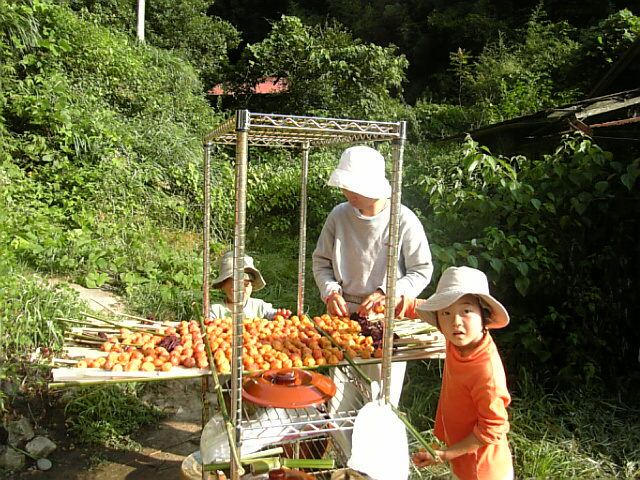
163 446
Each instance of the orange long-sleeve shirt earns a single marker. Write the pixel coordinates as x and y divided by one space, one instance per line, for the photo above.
474 398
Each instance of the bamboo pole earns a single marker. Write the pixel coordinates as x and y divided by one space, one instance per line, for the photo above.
133 329
102 381
121 314
223 408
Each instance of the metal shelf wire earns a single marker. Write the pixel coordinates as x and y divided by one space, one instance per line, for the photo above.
292 131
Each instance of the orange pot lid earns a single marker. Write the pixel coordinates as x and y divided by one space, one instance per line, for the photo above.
287 388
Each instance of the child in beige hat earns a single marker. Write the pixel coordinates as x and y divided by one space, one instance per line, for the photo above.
253 281
471 418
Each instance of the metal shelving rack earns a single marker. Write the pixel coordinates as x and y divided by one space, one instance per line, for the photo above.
298 132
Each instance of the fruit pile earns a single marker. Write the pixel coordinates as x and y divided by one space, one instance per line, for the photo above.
374 329
281 342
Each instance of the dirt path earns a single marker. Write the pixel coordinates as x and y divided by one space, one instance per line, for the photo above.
163 446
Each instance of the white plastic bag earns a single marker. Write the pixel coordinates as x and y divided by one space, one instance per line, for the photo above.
379 444
264 430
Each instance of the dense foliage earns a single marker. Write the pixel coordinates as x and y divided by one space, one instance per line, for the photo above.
100 165
328 71
183 27
425 31
558 238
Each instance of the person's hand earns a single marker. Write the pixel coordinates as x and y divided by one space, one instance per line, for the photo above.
337 306
370 303
425 459
284 312
401 306
406 304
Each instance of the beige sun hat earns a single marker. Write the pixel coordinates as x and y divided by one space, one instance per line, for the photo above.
361 170
457 282
225 270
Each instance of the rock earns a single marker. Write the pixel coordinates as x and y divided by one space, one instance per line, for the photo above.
11 459
9 386
40 447
44 464
20 431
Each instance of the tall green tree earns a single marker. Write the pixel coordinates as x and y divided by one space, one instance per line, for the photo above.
329 72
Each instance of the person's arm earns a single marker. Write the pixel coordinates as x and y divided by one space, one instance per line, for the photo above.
266 310
406 307
491 397
416 255
469 444
330 289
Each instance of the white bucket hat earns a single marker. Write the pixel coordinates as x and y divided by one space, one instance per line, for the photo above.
457 282
361 170
226 271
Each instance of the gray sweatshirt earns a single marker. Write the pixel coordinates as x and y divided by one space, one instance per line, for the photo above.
351 254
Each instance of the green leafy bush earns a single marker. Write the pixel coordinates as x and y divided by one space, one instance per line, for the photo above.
30 329
556 236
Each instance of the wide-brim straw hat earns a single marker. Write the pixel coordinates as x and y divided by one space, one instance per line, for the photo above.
226 271
456 282
361 170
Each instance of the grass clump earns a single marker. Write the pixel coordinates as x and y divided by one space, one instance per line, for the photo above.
108 415
29 330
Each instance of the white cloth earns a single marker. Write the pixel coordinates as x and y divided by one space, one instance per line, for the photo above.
351 253
380 446
252 309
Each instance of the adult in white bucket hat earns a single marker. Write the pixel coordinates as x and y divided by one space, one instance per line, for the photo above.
361 170
471 418
253 281
350 258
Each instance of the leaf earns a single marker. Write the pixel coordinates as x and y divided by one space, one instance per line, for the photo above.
523 268
578 206
629 179
601 187
95 279
522 285
496 264
536 203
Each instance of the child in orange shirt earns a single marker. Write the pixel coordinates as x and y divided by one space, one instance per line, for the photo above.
471 418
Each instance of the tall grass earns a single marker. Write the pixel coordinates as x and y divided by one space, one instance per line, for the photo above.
28 328
587 434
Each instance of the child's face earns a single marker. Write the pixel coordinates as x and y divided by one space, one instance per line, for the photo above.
227 288
461 323
358 201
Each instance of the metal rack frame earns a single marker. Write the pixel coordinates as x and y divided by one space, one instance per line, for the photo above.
290 131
